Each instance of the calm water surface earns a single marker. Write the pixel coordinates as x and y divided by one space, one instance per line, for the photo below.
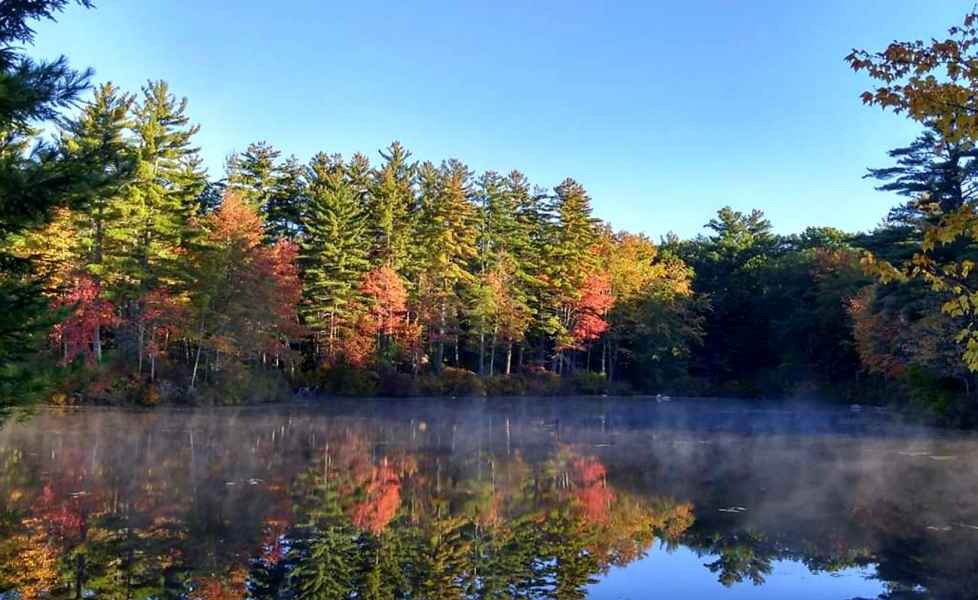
612 499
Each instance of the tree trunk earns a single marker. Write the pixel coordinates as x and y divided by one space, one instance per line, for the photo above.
440 345
482 354
200 345
330 352
97 259
139 342
492 354
509 357
97 342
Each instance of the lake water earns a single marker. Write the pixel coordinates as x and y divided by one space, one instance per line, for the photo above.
609 499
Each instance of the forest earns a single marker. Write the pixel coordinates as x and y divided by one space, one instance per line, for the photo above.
129 273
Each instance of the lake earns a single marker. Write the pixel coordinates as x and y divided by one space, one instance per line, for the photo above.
536 498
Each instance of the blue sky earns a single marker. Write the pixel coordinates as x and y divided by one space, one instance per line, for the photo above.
665 111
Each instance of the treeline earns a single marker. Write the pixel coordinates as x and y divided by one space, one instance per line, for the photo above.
340 265
143 277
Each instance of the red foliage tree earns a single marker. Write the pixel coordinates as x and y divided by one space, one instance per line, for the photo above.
278 265
87 313
591 308
161 317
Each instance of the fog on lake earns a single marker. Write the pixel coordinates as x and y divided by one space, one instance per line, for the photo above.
531 498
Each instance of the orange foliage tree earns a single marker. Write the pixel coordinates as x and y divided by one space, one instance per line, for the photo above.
247 292
381 322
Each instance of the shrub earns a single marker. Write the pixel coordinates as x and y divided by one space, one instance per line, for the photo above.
588 383
452 382
398 385
240 384
343 380
541 383
150 396
505 385
930 393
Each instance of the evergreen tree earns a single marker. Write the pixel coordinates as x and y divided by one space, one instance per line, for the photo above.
731 268
32 181
448 233
154 225
570 259
253 174
358 176
497 220
333 249
529 240
283 213
392 204
508 259
98 138
275 189
933 172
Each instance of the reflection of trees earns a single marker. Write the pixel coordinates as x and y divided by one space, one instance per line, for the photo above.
741 556
188 519
335 509
499 529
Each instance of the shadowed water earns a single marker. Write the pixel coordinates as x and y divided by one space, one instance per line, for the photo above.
607 499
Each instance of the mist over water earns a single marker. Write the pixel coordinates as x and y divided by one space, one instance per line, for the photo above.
487 499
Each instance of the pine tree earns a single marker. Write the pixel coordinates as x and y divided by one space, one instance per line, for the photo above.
359 177
931 169
31 183
275 189
283 213
447 230
392 204
507 258
154 224
530 241
253 174
570 259
333 249
98 139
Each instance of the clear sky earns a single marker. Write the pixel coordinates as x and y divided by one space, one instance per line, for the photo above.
665 111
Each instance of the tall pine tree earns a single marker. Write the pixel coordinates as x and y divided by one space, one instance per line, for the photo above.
448 232
570 259
333 249
99 139
154 227
392 204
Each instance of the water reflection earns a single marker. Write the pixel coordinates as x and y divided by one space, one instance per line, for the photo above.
450 501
